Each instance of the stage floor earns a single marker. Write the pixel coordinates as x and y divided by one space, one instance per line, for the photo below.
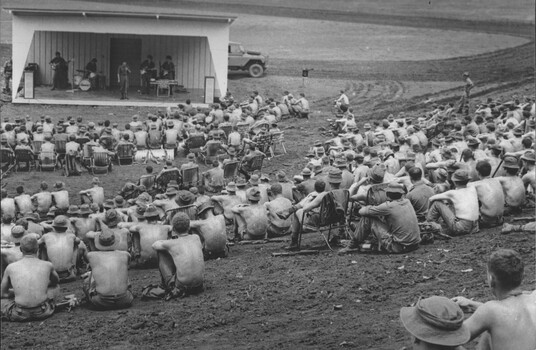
44 95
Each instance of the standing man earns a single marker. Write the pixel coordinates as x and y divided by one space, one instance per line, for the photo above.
60 68
123 73
91 73
148 71
8 73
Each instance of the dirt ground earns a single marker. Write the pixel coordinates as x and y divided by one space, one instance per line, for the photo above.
254 300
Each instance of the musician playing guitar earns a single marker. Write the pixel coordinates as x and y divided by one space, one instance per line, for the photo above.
60 68
148 72
167 71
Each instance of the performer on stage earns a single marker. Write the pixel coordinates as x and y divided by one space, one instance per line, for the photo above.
167 71
123 73
91 73
148 72
8 73
61 69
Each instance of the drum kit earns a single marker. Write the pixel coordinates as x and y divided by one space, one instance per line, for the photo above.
84 84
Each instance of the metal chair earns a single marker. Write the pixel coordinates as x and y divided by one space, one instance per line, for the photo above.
60 150
278 138
46 161
100 163
190 210
264 143
330 216
37 147
190 177
165 177
226 130
7 161
24 156
194 143
125 154
253 164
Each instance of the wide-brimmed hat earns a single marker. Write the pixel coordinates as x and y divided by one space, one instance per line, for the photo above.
151 211
60 221
395 187
231 187
190 156
473 142
441 174
185 198
112 217
194 190
460 175
204 207
254 180
529 156
171 191
119 201
59 185
95 181
340 163
306 172
335 176
34 217
85 209
106 239
281 176
377 173
109 204
253 194
73 209
17 232
241 183
518 132
436 320
510 162
231 151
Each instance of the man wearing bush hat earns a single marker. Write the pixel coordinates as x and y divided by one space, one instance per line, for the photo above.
513 186
435 322
228 201
110 237
211 228
462 217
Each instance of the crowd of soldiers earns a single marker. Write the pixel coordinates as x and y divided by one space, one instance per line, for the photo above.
449 173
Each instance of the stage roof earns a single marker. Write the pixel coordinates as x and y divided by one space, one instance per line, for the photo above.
99 9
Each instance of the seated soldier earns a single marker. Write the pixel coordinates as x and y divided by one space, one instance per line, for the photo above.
110 236
245 165
251 221
8 205
167 203
144 234
180 261
10 250
277 227
310 203
60 198
419 194
34 284
107 286
397 233
228 201
461 213
508 322
84 224
94 194
490 196
63 249
148 180
42 200
211 229
513 187
213 178
435 323
23 202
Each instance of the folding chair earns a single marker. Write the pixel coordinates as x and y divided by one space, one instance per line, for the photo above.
60 150
190 210
278 138
7 161
330 216
264 143
226 130
254 163
165 177
125 154
376 195
230 171
194 143
72 165
190 177
46 161
101 163
37 148
25 156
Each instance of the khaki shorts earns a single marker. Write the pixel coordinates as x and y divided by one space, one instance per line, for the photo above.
13 312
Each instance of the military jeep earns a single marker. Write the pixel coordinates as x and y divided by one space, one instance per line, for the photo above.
251 61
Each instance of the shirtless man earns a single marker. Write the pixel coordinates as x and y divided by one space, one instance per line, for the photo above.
108 287
513 187
11 252
168 203
6 227
251 221
60 198
180 262
277 227
94 194
509 321
33 224
490 196
462 217
23 201
529 160
33 281
62 249
144 234
228 201
110 236
42 200
7 204
84 224
211 229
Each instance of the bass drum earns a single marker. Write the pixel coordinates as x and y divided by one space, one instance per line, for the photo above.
92 75
84 85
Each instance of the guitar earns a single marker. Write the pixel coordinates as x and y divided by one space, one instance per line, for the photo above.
147 70
55 66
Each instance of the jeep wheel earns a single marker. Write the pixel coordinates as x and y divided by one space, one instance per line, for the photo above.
255 70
